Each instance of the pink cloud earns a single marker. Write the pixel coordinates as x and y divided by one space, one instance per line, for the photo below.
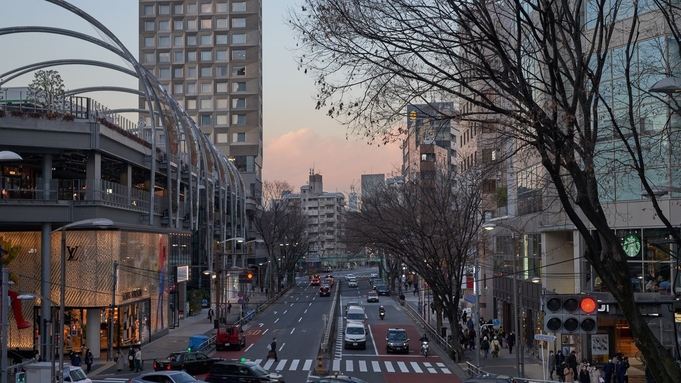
340 161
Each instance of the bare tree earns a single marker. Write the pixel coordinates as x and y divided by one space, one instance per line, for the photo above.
47 88
430 225
567 80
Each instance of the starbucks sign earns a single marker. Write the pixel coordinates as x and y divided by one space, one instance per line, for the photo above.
632 245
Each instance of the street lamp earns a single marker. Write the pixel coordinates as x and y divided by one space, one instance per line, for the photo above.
219 294
30 297
94 223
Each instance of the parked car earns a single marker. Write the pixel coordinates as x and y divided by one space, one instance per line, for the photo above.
230 336
372 296
355 336
165 376
237 371
397 340
191 362
382 290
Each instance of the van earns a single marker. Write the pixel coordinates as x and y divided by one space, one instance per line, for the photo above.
230 336
355 336
40 372
356 315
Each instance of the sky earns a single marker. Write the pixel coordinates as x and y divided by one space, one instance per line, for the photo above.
297 138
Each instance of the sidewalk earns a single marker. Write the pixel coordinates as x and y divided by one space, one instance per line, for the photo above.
176 340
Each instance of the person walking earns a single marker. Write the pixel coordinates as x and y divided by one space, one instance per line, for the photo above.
119 359
609 370
89 359
560 371
131 359
138 360
569 374
496 347
584 374
510 341
272 350
484 347
229 307
552 364
210 314
75 361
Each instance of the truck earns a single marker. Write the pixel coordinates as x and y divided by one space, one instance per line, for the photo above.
40 372
230 336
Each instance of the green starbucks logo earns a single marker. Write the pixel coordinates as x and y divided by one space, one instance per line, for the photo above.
632 245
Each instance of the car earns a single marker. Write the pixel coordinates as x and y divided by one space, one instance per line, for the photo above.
337 379
350 276
383 290
356 314
355 336
165 376
490 379
352 303
352 282
373 276
372 296
191 362
397 340
325 291
315 282
241 371
230 336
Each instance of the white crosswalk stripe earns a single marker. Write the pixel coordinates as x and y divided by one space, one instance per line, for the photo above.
353 365
307 365
363 366
415 366
348 365
389 366
402 366
336 364
294 365
376 366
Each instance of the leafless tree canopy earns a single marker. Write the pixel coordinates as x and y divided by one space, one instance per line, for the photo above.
568 80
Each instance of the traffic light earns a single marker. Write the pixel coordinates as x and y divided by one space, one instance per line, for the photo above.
249 276
570 314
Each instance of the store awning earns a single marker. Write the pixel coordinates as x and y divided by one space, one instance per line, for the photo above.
469 299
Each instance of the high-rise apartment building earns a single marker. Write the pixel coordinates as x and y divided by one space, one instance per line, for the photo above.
208 55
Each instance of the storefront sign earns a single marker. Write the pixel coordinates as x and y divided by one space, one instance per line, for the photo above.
182 273
632 245
72 253
136 293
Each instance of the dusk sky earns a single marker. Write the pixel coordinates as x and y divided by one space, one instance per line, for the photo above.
297 137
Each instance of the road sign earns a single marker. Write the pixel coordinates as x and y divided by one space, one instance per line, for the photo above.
545 337
496 323
223 306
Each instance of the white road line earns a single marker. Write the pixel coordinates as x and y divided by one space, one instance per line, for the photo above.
268 364
293 329
441 365
257 361
305 312
415 366
276 320
403 367
348 366
432 370
282 346
336 364
372 337
376 366
294 365
389 366
362 366
265 332
308 365
285 311
249 346
301 318
446 371
280 366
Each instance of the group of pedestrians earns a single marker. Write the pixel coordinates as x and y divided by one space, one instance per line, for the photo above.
566 369
88 359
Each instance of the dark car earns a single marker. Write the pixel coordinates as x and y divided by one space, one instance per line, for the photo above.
383 290
397 340
325 291
165 376
191 362
241 372
490 379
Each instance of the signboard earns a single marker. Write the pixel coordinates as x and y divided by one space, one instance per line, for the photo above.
545 337
600 344
182 273
631 245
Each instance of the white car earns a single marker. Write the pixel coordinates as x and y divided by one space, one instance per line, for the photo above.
350 276
355 336
352 282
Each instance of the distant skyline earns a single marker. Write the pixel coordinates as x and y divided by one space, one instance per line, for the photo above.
297 137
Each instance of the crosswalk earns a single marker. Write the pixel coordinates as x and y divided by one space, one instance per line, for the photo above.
350 365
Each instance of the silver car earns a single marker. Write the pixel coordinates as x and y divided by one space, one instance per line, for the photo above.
165 377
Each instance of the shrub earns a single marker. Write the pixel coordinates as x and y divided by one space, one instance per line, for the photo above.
68 117
2 113
52 115
17 113
35 114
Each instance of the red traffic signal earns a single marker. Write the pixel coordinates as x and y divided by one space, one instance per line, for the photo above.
571 313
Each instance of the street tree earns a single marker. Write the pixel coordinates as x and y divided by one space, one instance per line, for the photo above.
566 81
47 89
429 224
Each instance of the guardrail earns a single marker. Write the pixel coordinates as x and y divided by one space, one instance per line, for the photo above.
330 321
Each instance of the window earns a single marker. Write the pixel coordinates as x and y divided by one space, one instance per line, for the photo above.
206 55
148 58
221 39
177 72
191 88
239 87
205 119
239 22
191 56
428 157
205 39
239 71
177 89
164 57
239 103
206 104
239 119
221 55
192 8
239 137
191 72
164 73
221 138
164 9
239 38
177 41
148 26
191 104
206 23
148 10
191 40
239 6
221 7
206 8
221 71
178 57
178 9
221 120
221 87
178 25
222 104
221 23
164 41
206 87
239 54
205 71
164 25
148 41
191 25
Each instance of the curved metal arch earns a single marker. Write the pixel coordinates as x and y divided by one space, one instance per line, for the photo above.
16 72
104 88
63 32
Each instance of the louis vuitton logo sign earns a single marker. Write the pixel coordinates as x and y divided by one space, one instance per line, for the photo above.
72 253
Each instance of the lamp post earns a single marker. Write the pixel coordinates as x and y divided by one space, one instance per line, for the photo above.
92 222
221 281
30 297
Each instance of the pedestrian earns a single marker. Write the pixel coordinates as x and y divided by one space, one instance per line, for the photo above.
594 373
552 364
75 361
138 360
560 358
272 350
131 359
463 317
210 314
484 347
262 289
510 341
609 370
471 339
560 371
621 373
229 307
415 290
17 359
119 359
584 374
89 359
569 374
496 347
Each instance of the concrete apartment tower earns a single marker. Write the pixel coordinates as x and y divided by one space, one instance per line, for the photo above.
208 54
